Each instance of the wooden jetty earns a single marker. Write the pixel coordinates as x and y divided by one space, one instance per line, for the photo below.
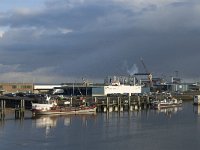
121 103
114 103
19 110
12 102
19 105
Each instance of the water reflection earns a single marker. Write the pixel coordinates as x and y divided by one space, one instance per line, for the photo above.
196 109
141 130
143 113
110 120
51 121
67 121
170 111
46 121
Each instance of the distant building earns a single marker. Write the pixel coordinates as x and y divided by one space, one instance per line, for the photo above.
26 87
80 89
176 80
16 87
158 81
121 89
181 87
44 88
120 80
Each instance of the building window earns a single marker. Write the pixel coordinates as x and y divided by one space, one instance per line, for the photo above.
26 87
14 86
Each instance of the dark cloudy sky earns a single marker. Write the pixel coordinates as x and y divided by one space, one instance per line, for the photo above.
53 41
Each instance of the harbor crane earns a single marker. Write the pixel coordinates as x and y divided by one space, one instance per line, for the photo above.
147 73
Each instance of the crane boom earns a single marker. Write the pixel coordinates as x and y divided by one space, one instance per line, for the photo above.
147 72
145 68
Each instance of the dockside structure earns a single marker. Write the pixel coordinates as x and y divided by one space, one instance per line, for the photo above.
96 90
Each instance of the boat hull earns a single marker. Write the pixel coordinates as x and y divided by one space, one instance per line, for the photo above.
65 111
160 106
166 103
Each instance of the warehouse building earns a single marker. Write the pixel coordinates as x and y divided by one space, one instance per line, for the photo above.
95 90
16 87
114 90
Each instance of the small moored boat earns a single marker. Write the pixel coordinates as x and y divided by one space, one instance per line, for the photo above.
196 100
167 103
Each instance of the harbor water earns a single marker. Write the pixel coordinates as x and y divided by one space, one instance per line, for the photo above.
167 129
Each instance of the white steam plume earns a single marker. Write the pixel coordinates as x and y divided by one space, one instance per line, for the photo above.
133 70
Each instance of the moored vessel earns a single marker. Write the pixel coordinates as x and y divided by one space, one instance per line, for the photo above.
196 100
52 108
46 109
167 103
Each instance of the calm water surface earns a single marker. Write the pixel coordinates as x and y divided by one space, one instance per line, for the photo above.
172 129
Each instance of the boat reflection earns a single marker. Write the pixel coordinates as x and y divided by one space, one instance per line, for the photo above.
170 111
67 121
196 109
50 121
45 121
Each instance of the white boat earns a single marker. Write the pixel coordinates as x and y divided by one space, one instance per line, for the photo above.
52 108
46 109
167 103
196 100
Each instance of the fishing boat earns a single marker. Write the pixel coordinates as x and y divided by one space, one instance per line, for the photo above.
167 103
51 108
46 109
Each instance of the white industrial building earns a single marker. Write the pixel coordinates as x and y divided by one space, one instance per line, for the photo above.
120 89
91 90
38 88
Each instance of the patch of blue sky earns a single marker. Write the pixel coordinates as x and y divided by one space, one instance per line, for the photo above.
7 5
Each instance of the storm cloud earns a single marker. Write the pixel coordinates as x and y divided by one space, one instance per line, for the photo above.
65 40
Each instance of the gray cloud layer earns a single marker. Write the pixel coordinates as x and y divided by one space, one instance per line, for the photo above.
69 39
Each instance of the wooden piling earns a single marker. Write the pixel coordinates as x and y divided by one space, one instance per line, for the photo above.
2 111
116 108
131 108
147 102
19 110
139 103
104 108
107 103
129 102
71 101
118 102
110 108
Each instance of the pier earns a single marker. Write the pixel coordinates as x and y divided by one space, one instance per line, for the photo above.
121 103
105 104
20 110
18 105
